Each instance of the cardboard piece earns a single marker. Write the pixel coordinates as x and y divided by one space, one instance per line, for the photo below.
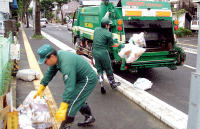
12 120
4 109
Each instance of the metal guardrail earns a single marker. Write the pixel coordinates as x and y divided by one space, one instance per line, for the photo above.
4 59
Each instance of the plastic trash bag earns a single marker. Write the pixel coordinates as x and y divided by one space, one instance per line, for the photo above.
135 52
28 75
138 40
143 84
124 50
25 122
37 110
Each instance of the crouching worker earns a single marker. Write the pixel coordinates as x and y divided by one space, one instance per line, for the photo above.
79 78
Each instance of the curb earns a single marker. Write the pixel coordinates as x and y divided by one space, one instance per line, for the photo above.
166 113
158 108
14 86
163 111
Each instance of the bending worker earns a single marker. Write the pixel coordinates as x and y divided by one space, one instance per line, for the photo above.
79 78
102 40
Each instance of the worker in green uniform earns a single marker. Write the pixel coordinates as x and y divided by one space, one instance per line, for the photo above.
102 40
79 78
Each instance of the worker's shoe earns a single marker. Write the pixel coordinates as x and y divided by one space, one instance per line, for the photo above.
89 119
67 122
103 91
112 82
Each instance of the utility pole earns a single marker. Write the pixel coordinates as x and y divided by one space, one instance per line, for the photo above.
194 102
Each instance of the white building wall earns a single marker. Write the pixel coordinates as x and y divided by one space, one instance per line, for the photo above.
4 6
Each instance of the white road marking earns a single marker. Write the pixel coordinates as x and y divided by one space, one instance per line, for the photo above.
189 50
163 111
62 45
189 67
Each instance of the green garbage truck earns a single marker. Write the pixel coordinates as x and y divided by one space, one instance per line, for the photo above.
131 17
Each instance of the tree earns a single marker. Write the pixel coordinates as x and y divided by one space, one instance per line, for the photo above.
30 11
20 8
60 4
26 4
37 18
46 6
23 6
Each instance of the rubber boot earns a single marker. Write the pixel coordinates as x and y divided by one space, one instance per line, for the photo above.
112 82
103 91
89 119
67 122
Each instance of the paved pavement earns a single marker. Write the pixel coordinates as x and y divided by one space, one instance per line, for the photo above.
138 110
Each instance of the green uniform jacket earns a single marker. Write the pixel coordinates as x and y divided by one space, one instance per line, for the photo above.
74 69
102 39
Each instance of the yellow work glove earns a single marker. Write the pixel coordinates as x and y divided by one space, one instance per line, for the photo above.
61 113
40 91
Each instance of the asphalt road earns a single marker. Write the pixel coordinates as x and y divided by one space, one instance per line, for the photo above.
171 86
112 110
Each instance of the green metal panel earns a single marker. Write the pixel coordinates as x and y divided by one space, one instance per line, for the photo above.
89 17
146 18
88 36
145 4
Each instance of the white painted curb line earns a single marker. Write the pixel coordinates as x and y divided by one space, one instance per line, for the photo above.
189 50
163 111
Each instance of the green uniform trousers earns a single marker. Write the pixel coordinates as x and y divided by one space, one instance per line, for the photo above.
82 90
102 61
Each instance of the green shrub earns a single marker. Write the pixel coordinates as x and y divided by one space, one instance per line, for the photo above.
7 78
17 24
187 32
179 32
182 32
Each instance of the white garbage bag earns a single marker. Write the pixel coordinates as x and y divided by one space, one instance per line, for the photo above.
138 40
37 110
135 53
143 84
28 75
124 50
25 122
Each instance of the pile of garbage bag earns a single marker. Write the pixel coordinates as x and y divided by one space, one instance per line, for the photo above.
133 50
34 113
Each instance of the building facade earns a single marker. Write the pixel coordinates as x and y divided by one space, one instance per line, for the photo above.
70 8
7 5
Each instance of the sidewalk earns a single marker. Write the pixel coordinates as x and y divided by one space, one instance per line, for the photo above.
112 111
